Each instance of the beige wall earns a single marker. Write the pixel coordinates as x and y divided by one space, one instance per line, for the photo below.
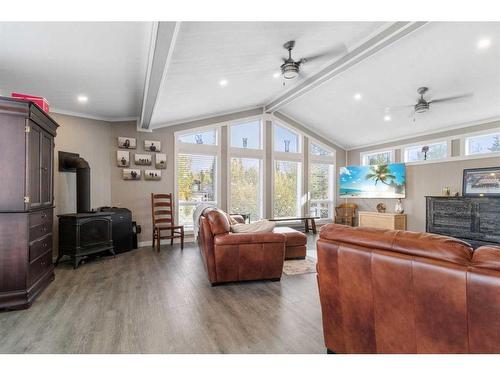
91 139
425 179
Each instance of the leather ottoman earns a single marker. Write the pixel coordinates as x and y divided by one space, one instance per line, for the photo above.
295 242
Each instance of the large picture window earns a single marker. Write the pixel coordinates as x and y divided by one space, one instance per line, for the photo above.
376 158
321 190
196 182
287 189
246 187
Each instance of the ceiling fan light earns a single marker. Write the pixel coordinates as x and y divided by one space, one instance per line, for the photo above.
290 70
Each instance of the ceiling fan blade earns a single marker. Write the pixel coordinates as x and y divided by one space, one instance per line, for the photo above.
398 107
336 51
450 98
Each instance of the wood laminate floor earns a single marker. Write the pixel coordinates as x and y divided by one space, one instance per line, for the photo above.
144 302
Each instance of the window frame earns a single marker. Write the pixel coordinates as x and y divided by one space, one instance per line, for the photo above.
363 156
248 153
288 156
464 143
197 149
322 159
404 148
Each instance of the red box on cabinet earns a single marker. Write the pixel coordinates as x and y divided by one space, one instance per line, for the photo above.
38 100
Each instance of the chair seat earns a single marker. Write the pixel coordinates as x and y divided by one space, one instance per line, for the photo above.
161 227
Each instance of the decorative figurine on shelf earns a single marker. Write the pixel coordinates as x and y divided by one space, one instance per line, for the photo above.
287 145
425 150
199 139
399 207
245 142
446 191
381 208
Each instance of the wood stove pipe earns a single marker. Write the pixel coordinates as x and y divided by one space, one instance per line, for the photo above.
82 182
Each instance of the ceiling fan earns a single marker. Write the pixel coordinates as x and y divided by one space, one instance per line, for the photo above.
423 105
290 68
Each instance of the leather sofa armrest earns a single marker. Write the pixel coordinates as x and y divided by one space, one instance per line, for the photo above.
248 238
487 257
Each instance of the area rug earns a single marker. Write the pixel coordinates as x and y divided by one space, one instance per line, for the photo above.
299 267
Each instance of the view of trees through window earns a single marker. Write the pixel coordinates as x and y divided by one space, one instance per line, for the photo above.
376 159
483 144
196 183
434 151
245 190
320 189
286 189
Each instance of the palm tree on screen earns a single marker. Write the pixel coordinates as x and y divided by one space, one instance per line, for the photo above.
380 173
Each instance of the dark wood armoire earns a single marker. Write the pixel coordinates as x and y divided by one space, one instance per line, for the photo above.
26 202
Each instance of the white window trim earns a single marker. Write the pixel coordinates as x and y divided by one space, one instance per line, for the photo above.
464 146
196 149
429 142
248 153
365 154
322 159
288 156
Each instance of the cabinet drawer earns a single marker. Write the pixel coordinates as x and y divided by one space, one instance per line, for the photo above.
39 267
40 231
41 217
40 246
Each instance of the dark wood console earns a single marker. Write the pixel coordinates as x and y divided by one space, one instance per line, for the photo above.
475 220
26 202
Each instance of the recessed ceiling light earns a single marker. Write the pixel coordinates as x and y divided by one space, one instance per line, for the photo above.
276 75
483 43
387 118
357 96
82 99
223 82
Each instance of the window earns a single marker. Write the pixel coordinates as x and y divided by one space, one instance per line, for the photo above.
426 152
207 137
320 151
246 187
196 182
285 140
286 189
482 144
246 135
377 158
321 177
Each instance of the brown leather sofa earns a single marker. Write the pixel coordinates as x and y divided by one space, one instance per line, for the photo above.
238 256
385 291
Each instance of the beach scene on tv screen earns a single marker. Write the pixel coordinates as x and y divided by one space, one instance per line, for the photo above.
373 181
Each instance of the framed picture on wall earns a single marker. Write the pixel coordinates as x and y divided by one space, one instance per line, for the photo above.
161 161
127 142
123 158
131 174
142 159
481 182
152 175
153 146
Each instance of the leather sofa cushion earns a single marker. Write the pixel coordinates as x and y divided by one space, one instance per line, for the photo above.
293 237
411 243
487 257
219 224
248 238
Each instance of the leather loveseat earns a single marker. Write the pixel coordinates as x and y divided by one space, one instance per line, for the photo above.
385 291
238 256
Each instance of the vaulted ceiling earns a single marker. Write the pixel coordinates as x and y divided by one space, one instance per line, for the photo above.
167 73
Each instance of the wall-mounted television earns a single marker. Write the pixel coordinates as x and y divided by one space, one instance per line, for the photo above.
373 181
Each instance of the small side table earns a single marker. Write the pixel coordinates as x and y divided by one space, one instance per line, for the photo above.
382 220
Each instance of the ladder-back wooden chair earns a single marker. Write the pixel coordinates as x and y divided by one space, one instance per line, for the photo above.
345 213
162 210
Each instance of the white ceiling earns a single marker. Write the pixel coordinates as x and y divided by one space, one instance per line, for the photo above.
442 56
104 61
108 62
246 54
